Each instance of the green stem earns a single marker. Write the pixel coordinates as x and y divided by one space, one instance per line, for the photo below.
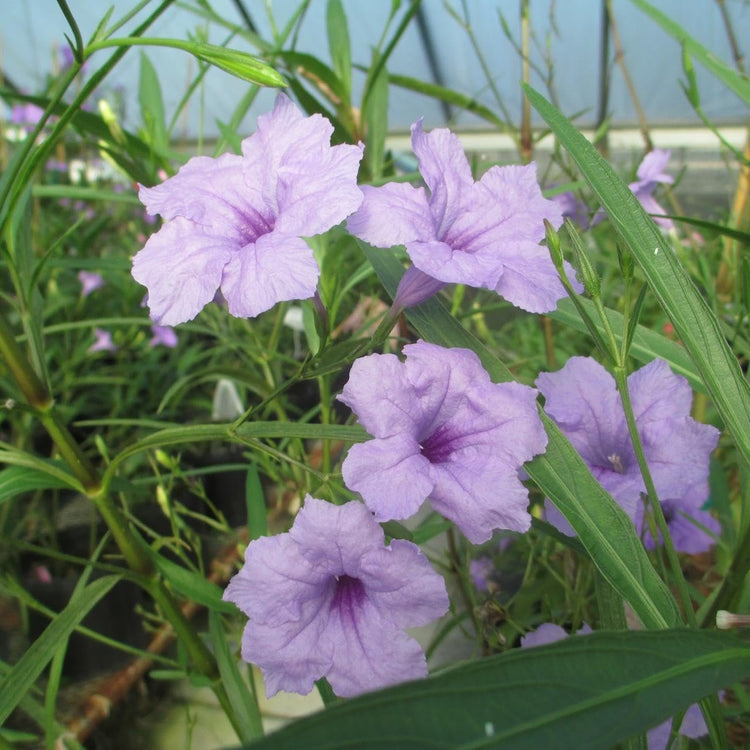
78 51
197 650
621 379
28 381
324 386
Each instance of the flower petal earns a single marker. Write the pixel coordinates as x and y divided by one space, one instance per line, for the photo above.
275 268
334 538
213 194
402 584
181 266
582 399
307 184
391 475
394 214
446 171
658 394
379 393
370 652
479 495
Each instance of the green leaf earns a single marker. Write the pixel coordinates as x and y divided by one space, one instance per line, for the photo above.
678 296
311 68
594 691
733 80
192 585
249 723
46 473
375 112
250 431
339 46
441 93
25 672
152 104
15 480
603 528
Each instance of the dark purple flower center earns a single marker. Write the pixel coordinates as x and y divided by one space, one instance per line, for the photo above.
348 597
436 448
254 224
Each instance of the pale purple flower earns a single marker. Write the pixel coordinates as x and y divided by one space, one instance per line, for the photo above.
444 431
693 724
583 400
548 632
103 342
480 571
329 599
574 209
163 336
237 223
26 115
90 281
483 234
651 173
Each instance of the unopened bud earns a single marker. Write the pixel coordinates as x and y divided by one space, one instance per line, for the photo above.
587 272
727 620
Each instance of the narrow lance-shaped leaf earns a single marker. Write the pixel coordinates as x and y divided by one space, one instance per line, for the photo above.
152 104
689 312
594 691
339 45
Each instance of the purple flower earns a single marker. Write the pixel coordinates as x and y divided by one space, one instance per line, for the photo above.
576 210
693 725
650 173
481 570
90 280
66 57
583 400
484 234
163 336
548 632
236 223
442 431
329 599
26 115
103 342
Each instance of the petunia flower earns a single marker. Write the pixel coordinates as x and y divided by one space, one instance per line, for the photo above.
329 599
103 342
583 400
163 336
651 173
483 234
90 281
444 431
236 223
693 725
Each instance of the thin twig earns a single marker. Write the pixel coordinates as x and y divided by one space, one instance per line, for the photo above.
620 60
